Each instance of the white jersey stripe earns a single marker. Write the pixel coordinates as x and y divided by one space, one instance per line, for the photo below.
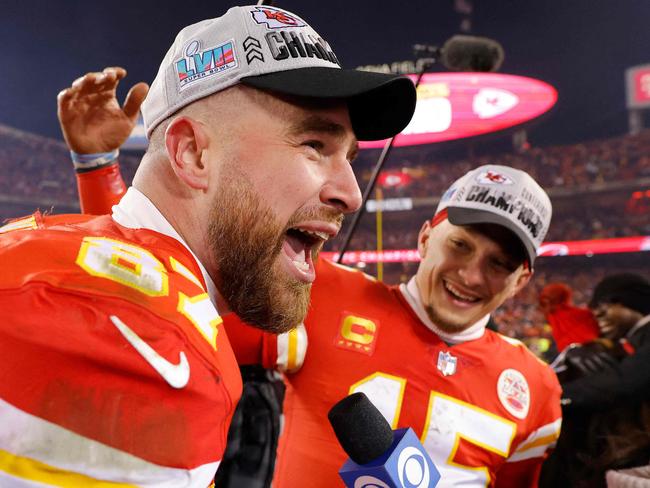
292 347
34 449
538 442
537 451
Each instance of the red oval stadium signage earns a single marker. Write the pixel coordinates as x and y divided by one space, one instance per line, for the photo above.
455 105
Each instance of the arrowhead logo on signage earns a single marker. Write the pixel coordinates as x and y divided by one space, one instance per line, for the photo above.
553 249
490 102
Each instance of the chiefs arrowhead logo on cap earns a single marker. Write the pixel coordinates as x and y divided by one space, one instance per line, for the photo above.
493 178
275 19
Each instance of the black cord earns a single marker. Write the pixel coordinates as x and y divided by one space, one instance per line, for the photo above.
373 178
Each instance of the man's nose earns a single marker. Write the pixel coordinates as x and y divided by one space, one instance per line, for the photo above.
342 190
472 272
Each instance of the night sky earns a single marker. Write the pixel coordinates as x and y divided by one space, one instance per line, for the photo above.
581 47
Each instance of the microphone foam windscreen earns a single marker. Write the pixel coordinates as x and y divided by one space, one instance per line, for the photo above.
471 53
360 428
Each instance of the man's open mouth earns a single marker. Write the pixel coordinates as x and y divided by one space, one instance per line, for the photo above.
300 246
459 295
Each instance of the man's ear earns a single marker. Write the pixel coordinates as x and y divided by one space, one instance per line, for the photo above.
185 141
522 281
423 238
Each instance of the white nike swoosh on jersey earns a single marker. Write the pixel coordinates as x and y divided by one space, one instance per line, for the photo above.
177 375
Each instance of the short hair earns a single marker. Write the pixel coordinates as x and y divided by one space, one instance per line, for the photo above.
211 107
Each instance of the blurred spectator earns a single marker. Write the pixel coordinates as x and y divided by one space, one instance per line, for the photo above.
569 324
607 410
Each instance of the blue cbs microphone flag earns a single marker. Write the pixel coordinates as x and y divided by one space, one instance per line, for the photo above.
404 465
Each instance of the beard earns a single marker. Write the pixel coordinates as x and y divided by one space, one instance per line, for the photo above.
246 240
425 287
445 325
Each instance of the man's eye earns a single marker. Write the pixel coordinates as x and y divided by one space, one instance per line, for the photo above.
458 244
504 265
314 144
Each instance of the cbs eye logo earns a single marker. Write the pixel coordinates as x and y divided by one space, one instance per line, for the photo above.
412 471
412 468
369 482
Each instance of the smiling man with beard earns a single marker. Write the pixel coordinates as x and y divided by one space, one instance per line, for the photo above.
113 365
249 237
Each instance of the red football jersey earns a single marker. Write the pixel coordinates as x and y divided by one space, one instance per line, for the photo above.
113 364
486 410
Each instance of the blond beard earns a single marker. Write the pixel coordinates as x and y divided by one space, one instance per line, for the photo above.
246 239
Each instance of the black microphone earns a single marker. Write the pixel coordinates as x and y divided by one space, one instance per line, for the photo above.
471 53
379 457
360 428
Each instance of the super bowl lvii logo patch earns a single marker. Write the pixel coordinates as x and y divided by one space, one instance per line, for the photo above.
199 64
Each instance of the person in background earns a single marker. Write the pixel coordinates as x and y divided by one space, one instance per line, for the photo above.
605 384
114 366
569 324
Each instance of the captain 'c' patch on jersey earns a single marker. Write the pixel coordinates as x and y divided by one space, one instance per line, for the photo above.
357 333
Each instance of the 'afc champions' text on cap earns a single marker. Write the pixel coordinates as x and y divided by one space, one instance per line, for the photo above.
501 195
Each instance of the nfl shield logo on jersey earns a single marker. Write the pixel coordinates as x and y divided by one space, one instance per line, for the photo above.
446 363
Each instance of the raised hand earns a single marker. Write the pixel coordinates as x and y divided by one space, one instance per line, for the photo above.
91 118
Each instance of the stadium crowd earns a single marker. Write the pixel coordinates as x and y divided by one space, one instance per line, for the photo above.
574 219
568 167
36 169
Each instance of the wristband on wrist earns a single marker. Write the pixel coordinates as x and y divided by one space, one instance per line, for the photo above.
89 162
